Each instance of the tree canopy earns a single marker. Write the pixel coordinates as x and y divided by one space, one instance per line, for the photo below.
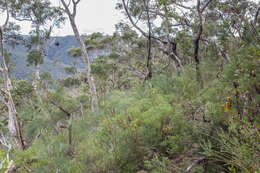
175 89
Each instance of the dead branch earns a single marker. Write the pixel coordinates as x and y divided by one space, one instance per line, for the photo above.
198 161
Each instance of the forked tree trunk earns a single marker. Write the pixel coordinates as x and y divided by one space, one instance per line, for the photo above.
172 47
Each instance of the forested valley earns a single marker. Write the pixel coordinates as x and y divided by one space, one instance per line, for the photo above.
175 89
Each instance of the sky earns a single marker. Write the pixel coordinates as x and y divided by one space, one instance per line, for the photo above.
92 16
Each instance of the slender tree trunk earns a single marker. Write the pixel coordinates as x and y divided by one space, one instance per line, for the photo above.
197 60
149 59
37 72
197 40
13 122
37 66
85 58
149 43
197 44
70 148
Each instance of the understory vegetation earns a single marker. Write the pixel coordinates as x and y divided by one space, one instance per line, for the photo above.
154 114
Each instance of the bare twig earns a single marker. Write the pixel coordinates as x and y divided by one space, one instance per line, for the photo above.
205 6
60 108
183 6
198 161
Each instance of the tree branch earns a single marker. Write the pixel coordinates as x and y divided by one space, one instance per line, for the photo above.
132 21
183 6
256 15
198 161
66 8
75 3
60 108
205 6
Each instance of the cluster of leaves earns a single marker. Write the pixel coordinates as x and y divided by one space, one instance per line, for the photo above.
163 125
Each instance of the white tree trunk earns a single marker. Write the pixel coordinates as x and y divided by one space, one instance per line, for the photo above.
37 72
37 66
71 14
85 58
13 123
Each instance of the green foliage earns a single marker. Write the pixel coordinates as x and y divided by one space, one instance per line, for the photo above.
23 88
70 82
34 57
5 163
74 52
22 91
102 67
162 125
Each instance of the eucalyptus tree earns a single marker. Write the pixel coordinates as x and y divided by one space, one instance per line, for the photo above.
175 10
70 8
139 8
148 11
6 96
242 19
94 44
43 17
200 9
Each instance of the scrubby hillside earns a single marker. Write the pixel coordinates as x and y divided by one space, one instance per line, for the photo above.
181 96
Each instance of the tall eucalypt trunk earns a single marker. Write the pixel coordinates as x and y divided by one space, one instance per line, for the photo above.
197 40
13 122
85 58
37 65
40 47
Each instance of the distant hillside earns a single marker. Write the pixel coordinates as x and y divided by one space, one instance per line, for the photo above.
54 63
60 52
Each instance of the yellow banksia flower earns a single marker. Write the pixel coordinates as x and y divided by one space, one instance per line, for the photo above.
228 106
165 130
